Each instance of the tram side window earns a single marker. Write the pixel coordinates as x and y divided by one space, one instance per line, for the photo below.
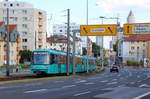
53 59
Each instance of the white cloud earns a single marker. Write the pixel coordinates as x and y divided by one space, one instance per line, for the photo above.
118 5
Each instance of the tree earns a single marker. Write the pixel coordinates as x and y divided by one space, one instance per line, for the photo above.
115 46
84 51
95 50
25 56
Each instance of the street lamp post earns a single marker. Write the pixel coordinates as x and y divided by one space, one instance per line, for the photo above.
68 41
117 21
8 47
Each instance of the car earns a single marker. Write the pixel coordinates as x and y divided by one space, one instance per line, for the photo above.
114 69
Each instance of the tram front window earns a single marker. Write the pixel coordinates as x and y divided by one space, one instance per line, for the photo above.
40 58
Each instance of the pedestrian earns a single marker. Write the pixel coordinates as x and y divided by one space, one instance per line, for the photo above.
17 68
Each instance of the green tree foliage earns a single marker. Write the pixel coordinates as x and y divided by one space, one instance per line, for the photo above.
95 50
84 51
25 56
115 46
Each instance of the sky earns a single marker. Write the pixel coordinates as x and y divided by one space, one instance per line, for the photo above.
56 11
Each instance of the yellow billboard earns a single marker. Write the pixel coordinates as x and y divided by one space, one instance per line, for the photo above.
98 30
128 29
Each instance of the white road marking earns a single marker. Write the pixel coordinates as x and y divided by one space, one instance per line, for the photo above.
68 86
89 83
144 85
34 91
132 82
83 93
139 81
112 83
114 79
141 96
138 76
81 81
104 81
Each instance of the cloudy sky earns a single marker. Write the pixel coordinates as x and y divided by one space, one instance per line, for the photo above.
109 8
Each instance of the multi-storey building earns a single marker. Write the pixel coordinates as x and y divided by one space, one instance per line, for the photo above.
59 42
14 44
31 23
135 47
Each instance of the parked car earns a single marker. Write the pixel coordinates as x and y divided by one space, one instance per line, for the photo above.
114 68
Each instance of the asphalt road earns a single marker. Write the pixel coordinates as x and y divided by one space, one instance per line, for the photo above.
129 83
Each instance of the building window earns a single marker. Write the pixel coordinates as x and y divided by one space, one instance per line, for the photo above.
24 40
17 4
24 25
132 48
5 19
25 18
40 46
5 4
11 5
13 11
24 33
24 47
24 11
15 19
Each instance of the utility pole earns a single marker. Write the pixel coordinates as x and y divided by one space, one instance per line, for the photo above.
87 22
102 51
8 47
74 60
68 41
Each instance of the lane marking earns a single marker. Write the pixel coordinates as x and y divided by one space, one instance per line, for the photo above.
89 83
138 76
114 79
141 96
144 85
68 86
34 91
83 93
81 81
132 82
104 81
112 83
139 81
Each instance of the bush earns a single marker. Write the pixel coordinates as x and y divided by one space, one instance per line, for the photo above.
134 63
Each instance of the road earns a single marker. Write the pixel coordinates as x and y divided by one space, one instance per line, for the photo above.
129 83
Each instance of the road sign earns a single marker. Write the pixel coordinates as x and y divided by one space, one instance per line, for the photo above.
98 30
137 28
128 29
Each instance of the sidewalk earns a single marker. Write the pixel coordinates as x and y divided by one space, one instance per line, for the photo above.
15 75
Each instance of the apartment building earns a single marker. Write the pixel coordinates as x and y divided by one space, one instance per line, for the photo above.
31 23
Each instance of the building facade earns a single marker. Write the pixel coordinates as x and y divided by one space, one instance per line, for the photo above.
61 29
136 47
14 44
31 23
59 42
